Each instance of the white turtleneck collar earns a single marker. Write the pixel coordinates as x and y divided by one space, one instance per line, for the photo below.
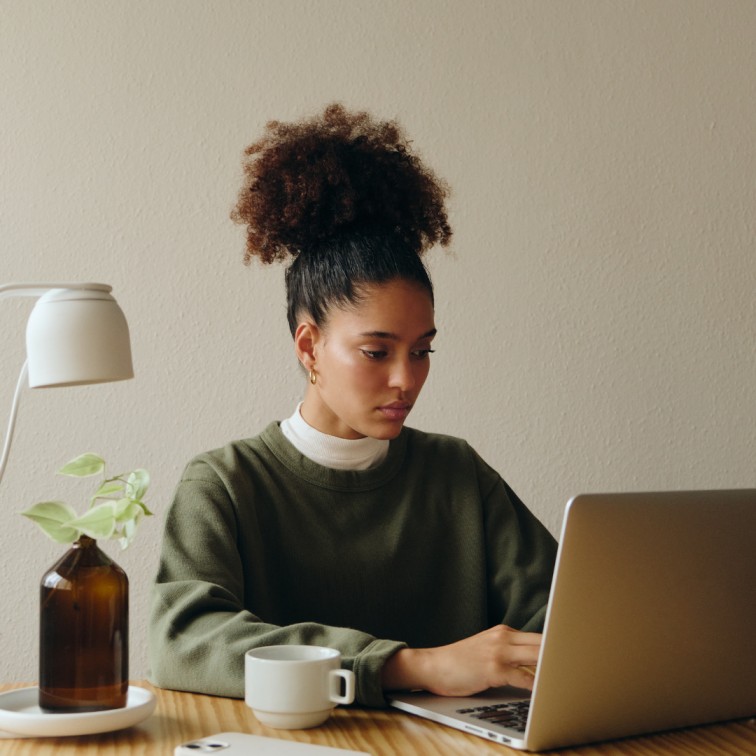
331 451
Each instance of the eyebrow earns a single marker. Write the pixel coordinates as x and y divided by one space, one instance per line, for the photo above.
394 337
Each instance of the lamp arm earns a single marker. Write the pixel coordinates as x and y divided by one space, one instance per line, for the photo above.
107 356
35 290
38 289
12 421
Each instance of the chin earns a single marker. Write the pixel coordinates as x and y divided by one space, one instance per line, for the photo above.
387 432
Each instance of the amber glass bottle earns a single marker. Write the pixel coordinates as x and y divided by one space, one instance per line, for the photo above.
84 632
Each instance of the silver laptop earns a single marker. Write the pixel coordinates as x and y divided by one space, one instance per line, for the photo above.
651 625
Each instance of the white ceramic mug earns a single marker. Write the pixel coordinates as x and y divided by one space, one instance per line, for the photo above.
294 687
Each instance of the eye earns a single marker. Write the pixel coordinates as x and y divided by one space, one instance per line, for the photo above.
374 354
422 354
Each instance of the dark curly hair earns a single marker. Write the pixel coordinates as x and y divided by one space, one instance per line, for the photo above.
346 198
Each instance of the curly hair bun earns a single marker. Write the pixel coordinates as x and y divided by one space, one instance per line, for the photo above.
333 175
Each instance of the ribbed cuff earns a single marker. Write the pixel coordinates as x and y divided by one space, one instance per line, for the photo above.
367 666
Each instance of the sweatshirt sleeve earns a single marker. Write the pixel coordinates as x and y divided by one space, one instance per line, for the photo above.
521 554
199 626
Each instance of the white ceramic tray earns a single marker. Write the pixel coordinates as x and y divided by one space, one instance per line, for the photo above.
20 715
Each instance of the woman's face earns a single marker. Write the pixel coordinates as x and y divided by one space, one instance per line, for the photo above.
371 360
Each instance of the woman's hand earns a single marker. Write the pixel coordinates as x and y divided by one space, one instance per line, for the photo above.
494 657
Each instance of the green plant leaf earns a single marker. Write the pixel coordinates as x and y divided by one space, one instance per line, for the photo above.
108 488
54 517
127 532
97 522
83 466
126 509
115 516
144 508
137 484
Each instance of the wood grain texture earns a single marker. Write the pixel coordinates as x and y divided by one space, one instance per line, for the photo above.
180 717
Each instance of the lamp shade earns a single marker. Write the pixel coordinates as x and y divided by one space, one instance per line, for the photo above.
77 336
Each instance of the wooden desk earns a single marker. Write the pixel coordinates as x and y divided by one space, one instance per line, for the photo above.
184 716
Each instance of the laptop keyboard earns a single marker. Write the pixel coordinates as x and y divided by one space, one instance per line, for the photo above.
512 714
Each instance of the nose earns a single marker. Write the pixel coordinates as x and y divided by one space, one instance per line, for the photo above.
402 375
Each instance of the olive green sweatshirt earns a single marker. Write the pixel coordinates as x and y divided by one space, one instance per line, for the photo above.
262 546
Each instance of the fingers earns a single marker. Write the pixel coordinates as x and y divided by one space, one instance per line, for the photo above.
507 637
522 677
518 638
516 656
496 656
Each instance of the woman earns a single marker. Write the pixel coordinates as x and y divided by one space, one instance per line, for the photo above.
340 526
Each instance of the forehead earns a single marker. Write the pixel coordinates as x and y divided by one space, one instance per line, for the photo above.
399 307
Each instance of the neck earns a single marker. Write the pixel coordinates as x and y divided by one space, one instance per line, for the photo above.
332 451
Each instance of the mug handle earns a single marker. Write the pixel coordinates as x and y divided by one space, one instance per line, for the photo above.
335 676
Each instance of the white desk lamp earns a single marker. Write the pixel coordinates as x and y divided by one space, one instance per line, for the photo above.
76 334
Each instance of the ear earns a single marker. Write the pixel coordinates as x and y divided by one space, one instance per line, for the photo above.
306 338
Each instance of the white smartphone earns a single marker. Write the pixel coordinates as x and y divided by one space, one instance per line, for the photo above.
242 743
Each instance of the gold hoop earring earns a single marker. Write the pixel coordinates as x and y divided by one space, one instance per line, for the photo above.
313 377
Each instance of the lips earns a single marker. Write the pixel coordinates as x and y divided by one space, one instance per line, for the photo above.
395 410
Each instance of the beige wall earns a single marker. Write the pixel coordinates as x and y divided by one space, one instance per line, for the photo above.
596 316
